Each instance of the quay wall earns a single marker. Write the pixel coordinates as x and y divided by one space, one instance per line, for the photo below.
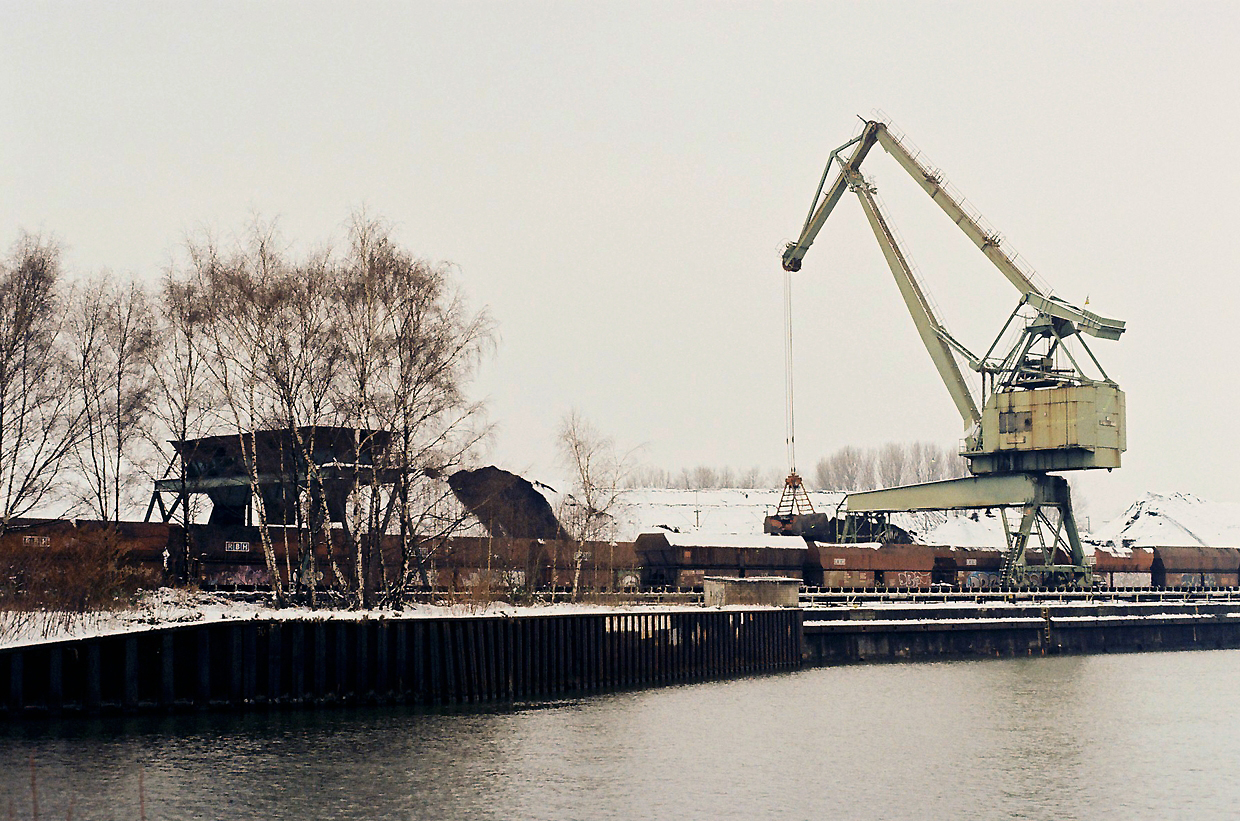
258 664
912 634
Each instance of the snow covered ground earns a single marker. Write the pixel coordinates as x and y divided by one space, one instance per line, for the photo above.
726 510
738 511
1156 519
1173 520
165 607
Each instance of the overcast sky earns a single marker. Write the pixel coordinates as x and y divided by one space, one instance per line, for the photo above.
616 181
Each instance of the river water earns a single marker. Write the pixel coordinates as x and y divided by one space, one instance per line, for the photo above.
1152 735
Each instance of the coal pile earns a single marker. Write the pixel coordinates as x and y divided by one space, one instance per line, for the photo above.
506 504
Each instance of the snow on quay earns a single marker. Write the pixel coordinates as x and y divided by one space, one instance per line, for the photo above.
168 607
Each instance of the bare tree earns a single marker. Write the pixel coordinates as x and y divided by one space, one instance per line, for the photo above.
891 464
929 462
590 510
374 340
648 476
251 339
597 472
181 400
410 346
243 319
112 334
849 468
39 420
750 477
702 477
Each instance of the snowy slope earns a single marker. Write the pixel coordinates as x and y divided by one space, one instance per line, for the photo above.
725 510
741 511
973 529
1173 520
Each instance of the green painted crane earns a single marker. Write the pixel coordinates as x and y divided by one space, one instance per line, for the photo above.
1044 402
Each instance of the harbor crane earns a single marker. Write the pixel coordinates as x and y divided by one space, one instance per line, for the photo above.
1046 405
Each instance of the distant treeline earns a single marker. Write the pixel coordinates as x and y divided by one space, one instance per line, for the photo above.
849 468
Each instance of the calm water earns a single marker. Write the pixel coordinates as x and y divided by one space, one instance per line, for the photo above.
1131 736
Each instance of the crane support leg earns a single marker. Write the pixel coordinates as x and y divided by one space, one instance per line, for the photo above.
928 325
1047 520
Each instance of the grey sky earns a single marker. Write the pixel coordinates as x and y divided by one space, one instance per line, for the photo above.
616 181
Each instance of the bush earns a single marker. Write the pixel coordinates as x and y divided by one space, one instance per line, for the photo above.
85 571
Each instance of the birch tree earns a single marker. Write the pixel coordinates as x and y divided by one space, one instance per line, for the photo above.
112 336
597 470
237 296
374 340
182 397
39 420
410 346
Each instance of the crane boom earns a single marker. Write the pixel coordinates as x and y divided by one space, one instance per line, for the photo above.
932 184
928 326
822 206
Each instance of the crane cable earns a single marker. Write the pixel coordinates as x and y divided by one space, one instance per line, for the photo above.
791 422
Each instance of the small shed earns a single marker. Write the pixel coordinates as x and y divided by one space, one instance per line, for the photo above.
767 591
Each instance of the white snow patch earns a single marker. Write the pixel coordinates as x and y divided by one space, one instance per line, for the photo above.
973 529
738 511
1172 520
167 608
698 538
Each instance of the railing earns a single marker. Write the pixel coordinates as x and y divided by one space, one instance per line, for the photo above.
819 596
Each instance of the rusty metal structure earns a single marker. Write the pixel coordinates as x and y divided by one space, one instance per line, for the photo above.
792 503
282 469
229 559
1046 403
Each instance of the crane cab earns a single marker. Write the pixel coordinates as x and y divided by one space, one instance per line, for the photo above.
1070 427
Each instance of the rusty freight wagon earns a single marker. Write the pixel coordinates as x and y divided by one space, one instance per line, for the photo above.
1188 567
1116 567
467 562
232 555
968 568
685 559
140 543
869 565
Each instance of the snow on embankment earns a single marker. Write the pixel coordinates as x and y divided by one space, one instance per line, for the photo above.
168 607
738 511
967 529
1172 520
1154 520
742 511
